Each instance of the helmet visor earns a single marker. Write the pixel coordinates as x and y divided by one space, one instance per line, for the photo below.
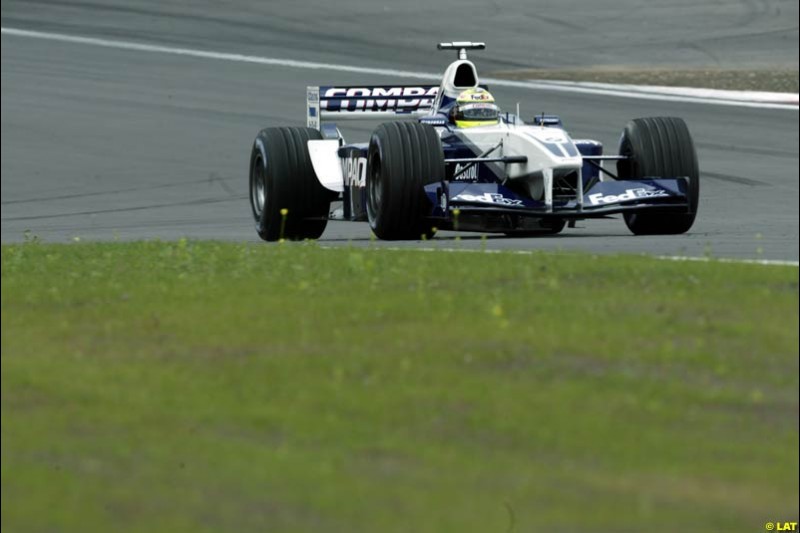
477 112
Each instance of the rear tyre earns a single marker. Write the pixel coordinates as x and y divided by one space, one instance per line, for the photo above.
660 146
283 179
403 158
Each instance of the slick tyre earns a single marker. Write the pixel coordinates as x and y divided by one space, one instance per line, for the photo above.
286 198
660 147
403 157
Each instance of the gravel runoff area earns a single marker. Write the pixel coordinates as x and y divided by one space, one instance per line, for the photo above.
772 80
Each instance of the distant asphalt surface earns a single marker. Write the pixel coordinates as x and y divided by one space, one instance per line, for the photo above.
102 143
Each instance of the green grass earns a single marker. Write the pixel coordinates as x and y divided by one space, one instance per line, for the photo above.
201 386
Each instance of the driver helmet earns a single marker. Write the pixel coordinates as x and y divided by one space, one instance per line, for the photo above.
475 107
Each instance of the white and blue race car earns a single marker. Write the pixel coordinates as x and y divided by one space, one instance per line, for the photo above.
427 170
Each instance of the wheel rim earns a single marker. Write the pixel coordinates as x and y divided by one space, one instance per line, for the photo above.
375 187
258 187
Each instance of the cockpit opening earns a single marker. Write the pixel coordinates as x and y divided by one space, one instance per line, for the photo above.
465 76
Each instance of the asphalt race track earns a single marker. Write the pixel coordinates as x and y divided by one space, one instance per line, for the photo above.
104 143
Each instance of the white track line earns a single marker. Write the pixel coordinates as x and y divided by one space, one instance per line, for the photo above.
717 94
765 262
769 262
607 90
205 54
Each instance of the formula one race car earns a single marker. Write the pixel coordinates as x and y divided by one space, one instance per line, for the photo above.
461 164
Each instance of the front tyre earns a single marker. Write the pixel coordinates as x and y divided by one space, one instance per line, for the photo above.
286 199
403 158
660 147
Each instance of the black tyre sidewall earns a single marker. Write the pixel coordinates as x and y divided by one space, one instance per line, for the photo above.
376 179
660 147
410 157
291 184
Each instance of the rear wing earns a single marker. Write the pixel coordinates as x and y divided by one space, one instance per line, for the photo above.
367 102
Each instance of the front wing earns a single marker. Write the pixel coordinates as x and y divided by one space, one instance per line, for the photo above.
603 199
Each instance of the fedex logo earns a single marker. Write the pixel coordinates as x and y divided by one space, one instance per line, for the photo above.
488 198
629 194
481 97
